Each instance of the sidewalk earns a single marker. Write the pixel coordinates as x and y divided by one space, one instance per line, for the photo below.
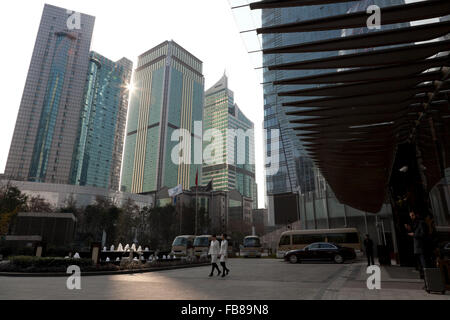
391 274
397 283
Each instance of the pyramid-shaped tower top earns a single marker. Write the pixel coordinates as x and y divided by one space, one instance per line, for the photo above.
222 84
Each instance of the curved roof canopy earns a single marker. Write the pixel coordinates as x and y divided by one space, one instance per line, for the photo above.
352 116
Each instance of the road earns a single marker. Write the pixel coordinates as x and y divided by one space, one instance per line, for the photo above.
249 279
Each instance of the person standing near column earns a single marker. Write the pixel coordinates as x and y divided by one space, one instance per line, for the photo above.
214 250
224 255
418 232
368 245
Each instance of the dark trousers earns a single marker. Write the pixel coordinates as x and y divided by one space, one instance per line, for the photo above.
370 260
224 267
214 266
421 263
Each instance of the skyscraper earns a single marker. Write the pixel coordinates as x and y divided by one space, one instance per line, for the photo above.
168 95
98 154
234 167
47 123
296 170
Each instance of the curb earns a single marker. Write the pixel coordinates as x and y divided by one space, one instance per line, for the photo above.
99 273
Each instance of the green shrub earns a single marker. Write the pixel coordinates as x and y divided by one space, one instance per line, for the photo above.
130 265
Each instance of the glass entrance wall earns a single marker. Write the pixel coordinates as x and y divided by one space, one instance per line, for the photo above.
320 209
440 200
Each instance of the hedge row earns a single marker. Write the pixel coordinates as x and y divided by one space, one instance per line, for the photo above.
31 264
23 262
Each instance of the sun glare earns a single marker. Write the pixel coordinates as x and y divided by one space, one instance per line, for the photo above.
130 87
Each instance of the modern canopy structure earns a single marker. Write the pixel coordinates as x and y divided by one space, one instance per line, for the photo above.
386 88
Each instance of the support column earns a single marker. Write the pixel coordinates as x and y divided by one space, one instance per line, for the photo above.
345 216
326 208
314 209
306 216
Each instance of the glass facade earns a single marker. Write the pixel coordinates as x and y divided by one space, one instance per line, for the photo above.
97 160
47 123
168 95
234 165
296 170
321 210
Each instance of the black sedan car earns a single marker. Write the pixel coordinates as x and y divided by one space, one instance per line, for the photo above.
321 251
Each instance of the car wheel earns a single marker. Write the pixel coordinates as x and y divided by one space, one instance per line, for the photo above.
338 258
293 259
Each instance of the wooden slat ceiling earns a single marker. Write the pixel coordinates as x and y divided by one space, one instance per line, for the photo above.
376 39
268 4
398 55
394 14
381 97
399 71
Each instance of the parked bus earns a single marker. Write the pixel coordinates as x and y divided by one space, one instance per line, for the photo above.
252 247
201 245
298 239
183 246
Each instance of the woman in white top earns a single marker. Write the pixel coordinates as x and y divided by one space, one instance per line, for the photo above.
214 252
224 255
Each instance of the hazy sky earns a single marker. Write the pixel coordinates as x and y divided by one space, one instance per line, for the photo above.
206 28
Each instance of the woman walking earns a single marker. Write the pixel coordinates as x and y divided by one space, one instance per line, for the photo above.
214 252
224 255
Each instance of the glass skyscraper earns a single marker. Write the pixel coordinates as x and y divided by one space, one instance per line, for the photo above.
98 154
47 123
234 167
296 170
168 95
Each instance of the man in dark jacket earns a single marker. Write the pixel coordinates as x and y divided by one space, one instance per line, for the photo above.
368 245
418 231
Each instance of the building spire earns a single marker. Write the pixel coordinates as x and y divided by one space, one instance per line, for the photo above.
225 78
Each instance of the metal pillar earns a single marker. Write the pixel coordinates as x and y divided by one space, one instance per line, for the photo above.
326 208
314 209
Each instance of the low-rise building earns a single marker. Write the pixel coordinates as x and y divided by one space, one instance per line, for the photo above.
58 195
228 212
56 229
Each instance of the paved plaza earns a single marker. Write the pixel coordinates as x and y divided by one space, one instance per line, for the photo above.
249 279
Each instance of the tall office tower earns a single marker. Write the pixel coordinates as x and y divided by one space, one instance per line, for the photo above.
296 170
168 95
47 123
234 165
98 154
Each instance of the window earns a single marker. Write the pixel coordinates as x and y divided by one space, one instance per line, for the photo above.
343 237
252 242
180 241
311 238
298 239
285 241
327 246
314 246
